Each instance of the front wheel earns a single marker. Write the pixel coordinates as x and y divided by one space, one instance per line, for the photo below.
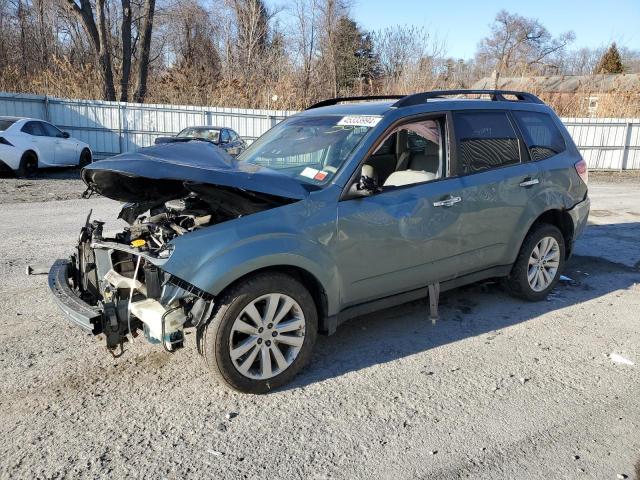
262 333
539 264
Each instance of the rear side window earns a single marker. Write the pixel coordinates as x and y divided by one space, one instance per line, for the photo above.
34 128
4 124
485 140
541 134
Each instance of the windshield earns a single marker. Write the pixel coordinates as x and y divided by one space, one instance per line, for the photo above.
211 134
4 124
309 149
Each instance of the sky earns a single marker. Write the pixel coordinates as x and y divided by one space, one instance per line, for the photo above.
462 23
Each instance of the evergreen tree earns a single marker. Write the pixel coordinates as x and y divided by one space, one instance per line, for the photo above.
610 61
355 58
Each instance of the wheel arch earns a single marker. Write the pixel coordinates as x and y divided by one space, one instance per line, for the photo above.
30 151
559 218
306 278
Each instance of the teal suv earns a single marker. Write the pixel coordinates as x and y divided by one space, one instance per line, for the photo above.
353 205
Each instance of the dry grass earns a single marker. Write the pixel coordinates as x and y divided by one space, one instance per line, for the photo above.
191 86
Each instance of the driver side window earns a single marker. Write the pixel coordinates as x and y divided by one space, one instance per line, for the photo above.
411 153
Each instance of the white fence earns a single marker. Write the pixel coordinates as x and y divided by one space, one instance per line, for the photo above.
607 143
114 127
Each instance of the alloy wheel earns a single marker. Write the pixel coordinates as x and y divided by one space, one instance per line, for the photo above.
267 336
543 264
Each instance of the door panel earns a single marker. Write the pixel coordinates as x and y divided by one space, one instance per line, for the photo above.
53 138
493 161
493 205
397 240
41 142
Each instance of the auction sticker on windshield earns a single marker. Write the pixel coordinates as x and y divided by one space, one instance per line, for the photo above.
360 121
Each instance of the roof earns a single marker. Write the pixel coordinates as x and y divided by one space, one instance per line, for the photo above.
208 127
625 82
373 107
424 102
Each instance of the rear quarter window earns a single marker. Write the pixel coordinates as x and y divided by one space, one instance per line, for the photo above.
34 128
541 134
485 140
4 124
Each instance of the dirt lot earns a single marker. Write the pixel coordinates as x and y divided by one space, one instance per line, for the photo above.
498 388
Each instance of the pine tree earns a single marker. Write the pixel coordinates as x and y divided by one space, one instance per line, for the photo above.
610 61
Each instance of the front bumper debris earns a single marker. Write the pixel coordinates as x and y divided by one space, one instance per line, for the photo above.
77 311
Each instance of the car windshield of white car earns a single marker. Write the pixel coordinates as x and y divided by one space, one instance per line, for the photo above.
204 133
310 149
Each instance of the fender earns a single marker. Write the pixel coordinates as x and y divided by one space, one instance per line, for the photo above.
216 271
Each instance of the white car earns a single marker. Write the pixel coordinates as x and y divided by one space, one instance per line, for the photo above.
27 144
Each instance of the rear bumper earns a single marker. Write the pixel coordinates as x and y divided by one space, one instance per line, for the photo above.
580 215
77 311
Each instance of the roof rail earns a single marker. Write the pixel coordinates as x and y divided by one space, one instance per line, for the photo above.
496 95
334 101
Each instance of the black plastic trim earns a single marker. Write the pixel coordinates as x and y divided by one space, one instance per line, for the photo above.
77 311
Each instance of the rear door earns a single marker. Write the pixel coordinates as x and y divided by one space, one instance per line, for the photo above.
497 183
44 145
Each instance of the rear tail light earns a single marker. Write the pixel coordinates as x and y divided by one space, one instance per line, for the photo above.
583 171
4 141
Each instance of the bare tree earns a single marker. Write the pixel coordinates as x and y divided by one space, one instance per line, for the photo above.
305 14
145 50
125 32
518 44
96 28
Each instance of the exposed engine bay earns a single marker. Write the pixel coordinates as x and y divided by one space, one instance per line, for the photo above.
114 284
122 274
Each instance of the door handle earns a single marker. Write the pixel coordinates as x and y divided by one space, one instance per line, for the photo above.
529 182
448 202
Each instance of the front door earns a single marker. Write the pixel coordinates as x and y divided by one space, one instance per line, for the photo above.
66 151
406 235
398 240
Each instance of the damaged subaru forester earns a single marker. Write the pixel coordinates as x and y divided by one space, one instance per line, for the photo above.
354 205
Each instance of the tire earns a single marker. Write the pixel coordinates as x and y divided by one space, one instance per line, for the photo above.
28 165
221 335
518 283
85 158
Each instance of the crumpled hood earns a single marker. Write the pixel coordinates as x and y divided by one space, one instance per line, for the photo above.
163 172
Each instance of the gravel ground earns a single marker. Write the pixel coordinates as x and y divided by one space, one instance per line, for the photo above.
498 388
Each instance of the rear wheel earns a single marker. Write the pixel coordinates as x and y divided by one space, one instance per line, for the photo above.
539 264
85 158
28 165
262 333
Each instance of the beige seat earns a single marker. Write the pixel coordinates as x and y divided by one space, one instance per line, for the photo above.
408 177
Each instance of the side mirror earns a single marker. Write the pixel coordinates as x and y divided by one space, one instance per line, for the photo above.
368 184
65 135
364 187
